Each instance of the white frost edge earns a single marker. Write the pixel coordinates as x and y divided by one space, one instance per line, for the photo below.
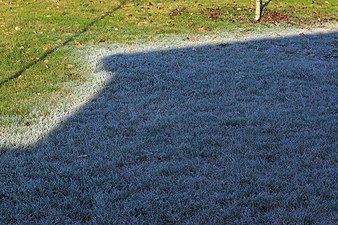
96 80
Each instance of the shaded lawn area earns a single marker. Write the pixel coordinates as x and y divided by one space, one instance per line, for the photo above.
234 133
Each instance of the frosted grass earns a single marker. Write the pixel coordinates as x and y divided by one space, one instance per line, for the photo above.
227 130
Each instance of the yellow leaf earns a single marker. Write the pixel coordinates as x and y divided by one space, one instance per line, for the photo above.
193 38
201 29
77 43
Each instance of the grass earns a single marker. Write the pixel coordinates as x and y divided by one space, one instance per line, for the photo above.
189 133
31 30
181 121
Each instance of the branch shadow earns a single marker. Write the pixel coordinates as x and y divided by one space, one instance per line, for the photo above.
266 4
44 55
230 133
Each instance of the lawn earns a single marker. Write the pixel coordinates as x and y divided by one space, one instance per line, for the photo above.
38 38
168 112
238 131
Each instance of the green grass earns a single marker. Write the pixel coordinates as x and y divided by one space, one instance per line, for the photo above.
45 33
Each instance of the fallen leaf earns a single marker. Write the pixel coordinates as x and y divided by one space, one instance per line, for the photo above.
131 49
77 43
70 73
190 24
201 29
176 12
193 38
45 116
101 41
70 66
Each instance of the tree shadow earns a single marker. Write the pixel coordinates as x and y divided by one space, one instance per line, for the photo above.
242 132
47 53
266 4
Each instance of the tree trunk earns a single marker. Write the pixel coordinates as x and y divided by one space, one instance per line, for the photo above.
258 9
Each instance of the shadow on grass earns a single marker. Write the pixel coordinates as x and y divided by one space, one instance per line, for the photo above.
65 43
216 134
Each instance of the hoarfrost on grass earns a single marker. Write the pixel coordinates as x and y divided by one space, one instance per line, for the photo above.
180 132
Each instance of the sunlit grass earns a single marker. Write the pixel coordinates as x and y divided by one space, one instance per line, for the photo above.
29 29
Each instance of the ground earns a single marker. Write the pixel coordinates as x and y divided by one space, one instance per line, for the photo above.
204 129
